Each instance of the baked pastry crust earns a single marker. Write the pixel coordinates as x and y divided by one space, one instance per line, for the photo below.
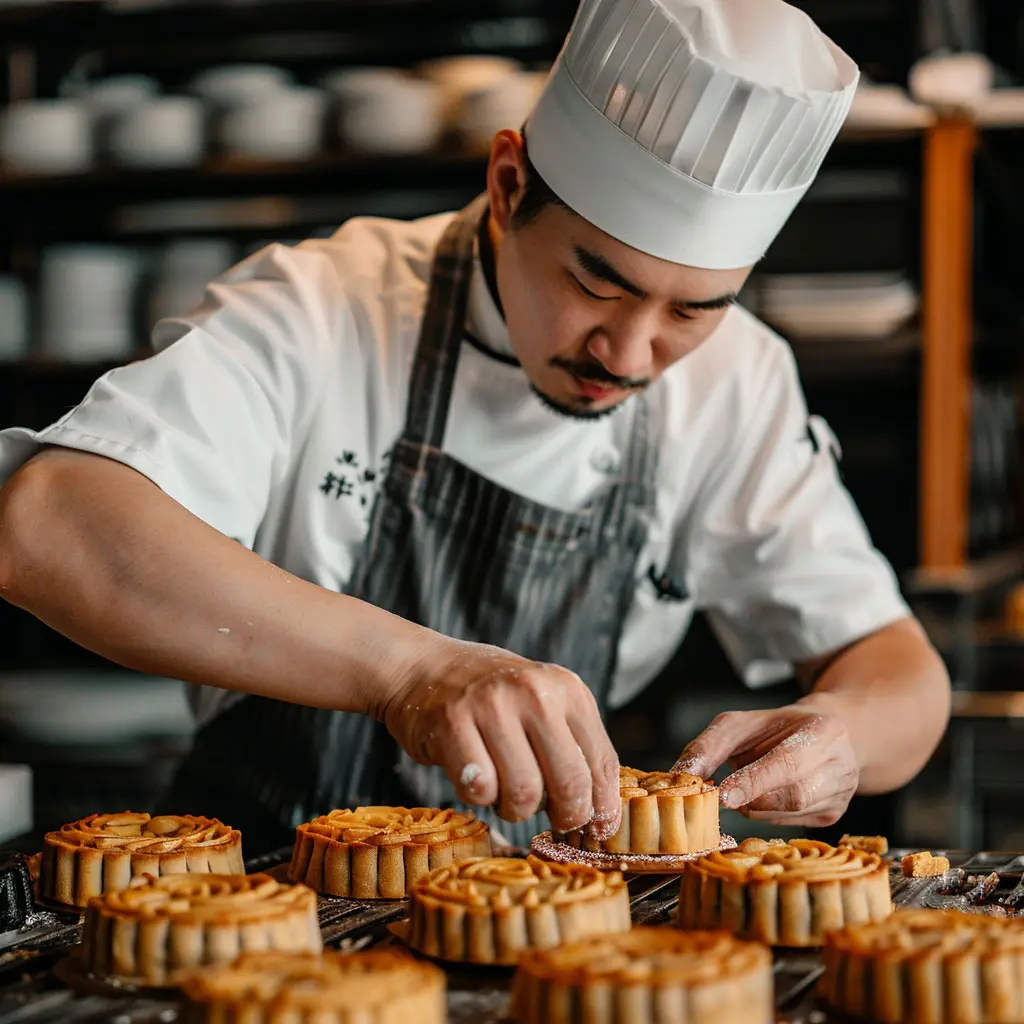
104 852
662 813
784 894
870 844
487 910
158 927
923 865
928 967
375 987
380 852
645 976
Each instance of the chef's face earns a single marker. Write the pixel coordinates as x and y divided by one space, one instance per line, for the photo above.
592 321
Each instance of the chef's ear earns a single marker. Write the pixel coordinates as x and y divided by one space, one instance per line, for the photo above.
506 177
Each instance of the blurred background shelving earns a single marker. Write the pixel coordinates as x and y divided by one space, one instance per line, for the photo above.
916 220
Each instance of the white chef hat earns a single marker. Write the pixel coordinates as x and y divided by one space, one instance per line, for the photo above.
690 129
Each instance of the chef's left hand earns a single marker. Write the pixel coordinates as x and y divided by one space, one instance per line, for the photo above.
794 766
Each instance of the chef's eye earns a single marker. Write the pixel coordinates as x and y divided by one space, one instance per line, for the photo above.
586 291
681 314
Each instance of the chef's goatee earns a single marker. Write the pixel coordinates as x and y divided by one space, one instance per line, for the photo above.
690 129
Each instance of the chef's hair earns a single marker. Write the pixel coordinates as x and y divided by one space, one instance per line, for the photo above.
536 193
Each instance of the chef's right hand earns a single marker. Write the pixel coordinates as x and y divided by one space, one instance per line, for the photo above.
510 732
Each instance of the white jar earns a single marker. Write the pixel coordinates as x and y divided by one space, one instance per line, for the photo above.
181 275
14 319
47 136
285 124
168 131
87 301
459 76
401 117
228 85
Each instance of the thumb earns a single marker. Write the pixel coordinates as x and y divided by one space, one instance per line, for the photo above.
728 734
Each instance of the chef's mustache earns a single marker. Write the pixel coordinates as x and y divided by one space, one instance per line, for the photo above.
596 373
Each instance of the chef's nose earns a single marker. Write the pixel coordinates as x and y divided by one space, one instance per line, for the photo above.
625 348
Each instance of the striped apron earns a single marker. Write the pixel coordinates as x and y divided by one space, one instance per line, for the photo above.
453 551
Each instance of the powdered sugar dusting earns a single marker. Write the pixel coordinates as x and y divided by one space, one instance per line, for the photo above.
804 737
470 773
602 826
545 847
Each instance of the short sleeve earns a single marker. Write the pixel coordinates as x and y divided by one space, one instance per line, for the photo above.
777 553
213 416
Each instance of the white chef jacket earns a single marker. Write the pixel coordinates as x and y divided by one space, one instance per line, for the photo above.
269 413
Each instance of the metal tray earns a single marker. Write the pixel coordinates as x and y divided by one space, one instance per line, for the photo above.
30 993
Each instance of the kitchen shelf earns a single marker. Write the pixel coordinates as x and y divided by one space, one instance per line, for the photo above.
971 578
897 356
35 367
252 198
336 173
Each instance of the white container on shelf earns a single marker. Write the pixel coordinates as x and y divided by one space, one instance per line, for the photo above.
168 131
16 817
506 103
392 117
14 319
886 107
83 708
1000 108
283 124
826 306
230 84
345 83
110 96
459 76
47 136
87 301
955 80
183 271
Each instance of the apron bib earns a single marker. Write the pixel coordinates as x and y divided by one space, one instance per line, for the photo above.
453 551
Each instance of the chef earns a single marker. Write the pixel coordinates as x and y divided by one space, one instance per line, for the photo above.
415 505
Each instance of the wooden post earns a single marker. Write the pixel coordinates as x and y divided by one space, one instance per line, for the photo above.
947 328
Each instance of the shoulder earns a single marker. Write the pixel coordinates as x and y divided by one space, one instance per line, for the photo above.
355 295
375 260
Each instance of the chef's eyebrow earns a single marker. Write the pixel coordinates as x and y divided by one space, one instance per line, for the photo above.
597 266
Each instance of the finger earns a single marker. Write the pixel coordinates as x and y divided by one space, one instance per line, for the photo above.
592 739
796 756
829 783
815 817
462 753
567 781
520 780
727 734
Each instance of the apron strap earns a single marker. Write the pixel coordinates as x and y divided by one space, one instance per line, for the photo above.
437 358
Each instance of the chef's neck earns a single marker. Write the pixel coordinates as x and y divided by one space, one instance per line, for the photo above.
486 244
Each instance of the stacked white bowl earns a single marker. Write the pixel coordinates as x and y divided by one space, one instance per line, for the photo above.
14 318
137 126
47 136
830 306
483 95
385 111
259 112
87 301
182 272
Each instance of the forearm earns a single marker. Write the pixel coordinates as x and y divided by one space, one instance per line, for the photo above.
892 691
103 556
